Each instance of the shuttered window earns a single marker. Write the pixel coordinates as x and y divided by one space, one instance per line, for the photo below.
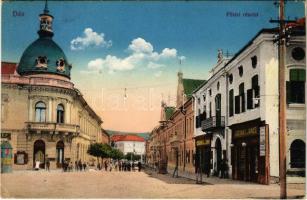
296 86
231 103
237 104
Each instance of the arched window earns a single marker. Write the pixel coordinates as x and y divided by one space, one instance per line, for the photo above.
40 112
60 114
297 154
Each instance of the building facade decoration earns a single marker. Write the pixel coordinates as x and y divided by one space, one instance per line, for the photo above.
45 116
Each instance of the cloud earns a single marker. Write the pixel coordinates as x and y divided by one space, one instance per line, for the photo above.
89 38
158 74
139 45
153 65
141 54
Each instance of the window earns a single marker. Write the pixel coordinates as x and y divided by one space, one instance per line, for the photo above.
231 103
205 112
298 53
253 93
230 78
60 114
240 70
254 61
242 97
210 110
204 97
218 85
41 62
297 154
40 112
210 92
296 86
198 100
60 65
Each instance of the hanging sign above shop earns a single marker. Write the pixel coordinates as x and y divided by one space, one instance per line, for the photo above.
262 141
245 132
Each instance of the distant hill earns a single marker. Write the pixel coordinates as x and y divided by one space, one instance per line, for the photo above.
144 135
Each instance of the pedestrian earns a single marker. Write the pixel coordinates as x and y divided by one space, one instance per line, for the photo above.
139 166
76 165
106 165
37 163
84 166
48 164
116 165
80 165
111 166
98 165
223 168
120 165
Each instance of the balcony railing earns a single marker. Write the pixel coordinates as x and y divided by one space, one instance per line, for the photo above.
51 126
213 123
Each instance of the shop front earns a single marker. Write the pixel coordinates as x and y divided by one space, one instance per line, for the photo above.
250 151
203 154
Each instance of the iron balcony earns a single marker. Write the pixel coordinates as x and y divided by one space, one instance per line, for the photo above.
213 123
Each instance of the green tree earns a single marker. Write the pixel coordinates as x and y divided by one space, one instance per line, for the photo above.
116 154
99 150
132 156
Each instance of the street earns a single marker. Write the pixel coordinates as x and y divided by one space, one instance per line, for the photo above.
148 184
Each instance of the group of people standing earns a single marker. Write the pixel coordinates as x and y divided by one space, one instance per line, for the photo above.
119 165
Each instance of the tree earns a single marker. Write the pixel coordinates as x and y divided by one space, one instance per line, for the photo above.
99 150
132 156
116 154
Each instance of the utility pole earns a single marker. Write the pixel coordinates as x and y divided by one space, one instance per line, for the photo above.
282 99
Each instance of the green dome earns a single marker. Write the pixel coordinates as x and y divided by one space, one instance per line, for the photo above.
45 48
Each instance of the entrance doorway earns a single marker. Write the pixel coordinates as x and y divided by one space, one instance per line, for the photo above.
39 153
218 155
60 153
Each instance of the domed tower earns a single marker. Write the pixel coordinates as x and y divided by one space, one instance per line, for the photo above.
44 56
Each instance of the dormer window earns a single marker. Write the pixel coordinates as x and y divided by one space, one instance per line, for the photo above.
41 62
60 65
240 68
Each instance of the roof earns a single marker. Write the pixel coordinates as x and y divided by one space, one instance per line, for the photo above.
189 85
43 47
8 67
135 138
144 135
169 112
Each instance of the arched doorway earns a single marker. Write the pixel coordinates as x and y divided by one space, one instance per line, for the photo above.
218 155
297 154
39 153
60 153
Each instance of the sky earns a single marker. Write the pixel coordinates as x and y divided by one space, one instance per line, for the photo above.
125 55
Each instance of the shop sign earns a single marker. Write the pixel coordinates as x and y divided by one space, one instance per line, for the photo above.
262 141
202 142
245 132
6 136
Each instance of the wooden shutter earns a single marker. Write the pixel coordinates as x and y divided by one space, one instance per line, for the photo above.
237 104
250 99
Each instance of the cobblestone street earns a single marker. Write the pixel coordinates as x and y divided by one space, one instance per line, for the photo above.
94 184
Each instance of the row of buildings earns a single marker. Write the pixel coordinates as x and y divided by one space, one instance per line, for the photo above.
232 116
43 116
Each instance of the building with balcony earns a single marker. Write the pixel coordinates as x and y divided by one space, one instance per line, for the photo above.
239 106
44 117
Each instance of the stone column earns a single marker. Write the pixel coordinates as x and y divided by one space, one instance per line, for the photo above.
30 110
50 110
67 113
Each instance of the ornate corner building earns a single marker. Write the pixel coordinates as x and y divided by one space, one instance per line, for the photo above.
43 116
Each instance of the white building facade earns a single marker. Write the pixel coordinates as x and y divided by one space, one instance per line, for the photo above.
247 86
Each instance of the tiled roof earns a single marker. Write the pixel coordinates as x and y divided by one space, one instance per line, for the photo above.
136 138
8 67
144 135
190 85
